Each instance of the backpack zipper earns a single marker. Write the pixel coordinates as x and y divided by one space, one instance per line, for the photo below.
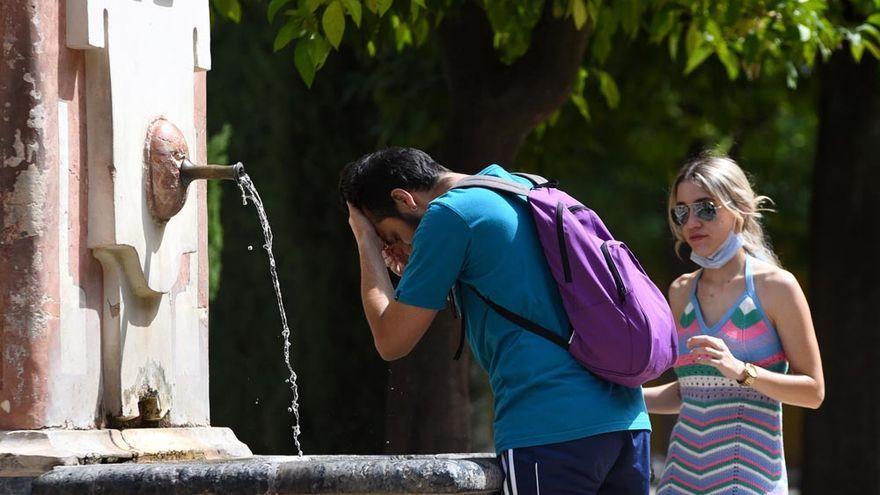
560 234
618 281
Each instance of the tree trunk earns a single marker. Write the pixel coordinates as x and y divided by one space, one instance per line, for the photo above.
842 444
493 108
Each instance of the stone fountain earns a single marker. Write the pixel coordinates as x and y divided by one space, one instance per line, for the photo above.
104 269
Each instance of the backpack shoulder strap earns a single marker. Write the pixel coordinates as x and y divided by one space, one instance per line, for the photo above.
536 180
493 183
521 321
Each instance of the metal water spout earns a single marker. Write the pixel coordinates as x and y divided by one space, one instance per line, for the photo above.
168 171
190 171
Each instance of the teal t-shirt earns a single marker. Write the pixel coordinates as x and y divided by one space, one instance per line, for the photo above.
489 241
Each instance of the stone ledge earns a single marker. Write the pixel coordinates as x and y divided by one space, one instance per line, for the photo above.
277 475
34 452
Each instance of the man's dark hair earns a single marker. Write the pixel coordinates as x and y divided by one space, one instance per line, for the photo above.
368 181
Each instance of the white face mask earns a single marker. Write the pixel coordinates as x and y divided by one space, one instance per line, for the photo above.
725 253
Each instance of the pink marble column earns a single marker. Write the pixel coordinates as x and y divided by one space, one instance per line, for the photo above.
44 381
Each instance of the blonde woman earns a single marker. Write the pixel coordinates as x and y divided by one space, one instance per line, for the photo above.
746 341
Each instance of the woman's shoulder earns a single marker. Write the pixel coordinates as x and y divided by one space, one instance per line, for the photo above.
680 290
773 282
684 282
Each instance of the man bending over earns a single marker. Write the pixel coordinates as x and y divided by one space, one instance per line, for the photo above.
558 428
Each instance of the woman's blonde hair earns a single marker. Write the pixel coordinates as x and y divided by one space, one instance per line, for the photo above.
722 178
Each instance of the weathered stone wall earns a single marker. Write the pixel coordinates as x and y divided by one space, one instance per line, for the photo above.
80 342
50 289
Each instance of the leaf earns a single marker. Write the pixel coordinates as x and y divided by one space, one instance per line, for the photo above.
402 33
809 54
696 57
353 7
420 3
874 19
319 48
867 28
692 39
230 9
581 81
609 89
805 33
629 16
606 26
662 24
414 10
303 61
593 7
791 75
287 33
730 61
382 6
274 7
371 48
856 47
333 22
713 33
421 30
371 5
673 42
579 12
581 103
312 5
873 48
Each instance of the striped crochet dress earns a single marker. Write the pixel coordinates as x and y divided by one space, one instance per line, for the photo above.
728 438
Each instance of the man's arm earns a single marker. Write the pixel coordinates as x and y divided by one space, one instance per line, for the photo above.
396 326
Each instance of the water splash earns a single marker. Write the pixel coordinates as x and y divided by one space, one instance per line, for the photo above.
249 192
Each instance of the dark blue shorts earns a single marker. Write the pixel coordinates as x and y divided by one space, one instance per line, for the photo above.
607 464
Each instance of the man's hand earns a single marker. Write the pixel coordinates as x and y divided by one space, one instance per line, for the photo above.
361 226
396 256
396 326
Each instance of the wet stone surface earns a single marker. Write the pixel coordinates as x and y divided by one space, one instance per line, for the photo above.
443 474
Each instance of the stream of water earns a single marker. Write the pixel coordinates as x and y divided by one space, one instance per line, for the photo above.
249 192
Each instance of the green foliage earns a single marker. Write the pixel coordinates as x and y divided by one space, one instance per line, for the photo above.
513 26
608 88
333 22
577 96
747 37
228 9
621 161
218 144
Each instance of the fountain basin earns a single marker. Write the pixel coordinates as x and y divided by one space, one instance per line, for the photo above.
270 475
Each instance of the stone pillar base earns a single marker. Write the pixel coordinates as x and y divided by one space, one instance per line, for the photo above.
28 453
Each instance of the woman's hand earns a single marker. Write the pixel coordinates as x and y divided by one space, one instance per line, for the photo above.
714 352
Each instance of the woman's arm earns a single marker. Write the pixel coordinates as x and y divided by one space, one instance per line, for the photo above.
663 399
787 307
666 399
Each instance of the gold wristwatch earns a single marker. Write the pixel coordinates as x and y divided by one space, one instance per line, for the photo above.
751 375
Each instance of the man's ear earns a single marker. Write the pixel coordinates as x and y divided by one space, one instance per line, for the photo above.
403 200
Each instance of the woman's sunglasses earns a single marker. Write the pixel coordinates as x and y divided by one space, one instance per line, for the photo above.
704 210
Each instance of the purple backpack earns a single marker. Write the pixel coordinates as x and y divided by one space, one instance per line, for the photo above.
622 327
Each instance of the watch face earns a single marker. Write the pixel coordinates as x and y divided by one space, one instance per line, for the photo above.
751 371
